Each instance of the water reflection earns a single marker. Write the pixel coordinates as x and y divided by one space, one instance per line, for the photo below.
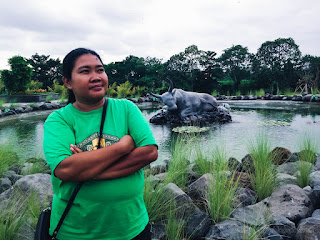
25 133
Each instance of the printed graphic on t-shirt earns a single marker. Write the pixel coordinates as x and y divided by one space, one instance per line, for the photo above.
91 142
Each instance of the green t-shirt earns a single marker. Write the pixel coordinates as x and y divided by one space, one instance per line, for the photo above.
104 209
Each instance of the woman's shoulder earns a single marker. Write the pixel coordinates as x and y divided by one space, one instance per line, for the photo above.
61 113
120 102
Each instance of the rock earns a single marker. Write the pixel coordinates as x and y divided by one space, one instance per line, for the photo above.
181 201
197 225
253 215
243 179
317 164
245 197
158 232
199 188
284 227
310 193
247 164
315 179
293 157
309 229
316 194
284 179
234 165
228 229
160 168
39 183
290 201
316 213
288 168
271 234
5 184
280 155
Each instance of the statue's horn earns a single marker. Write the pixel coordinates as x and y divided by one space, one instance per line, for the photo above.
171 85
156 95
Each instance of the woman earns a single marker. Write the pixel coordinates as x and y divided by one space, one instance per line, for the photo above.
110 203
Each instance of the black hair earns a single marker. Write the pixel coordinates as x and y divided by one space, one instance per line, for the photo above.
68 65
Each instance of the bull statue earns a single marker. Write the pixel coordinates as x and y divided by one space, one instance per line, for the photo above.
187 103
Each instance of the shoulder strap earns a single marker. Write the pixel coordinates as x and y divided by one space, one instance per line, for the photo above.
77 188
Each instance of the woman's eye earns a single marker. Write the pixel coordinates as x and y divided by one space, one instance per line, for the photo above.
84 71
100 70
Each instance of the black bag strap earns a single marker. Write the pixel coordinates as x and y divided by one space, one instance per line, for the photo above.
77 188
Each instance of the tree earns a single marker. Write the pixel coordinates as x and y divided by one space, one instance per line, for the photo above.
279 55
16 79
236 62
183 66
45 69
311 70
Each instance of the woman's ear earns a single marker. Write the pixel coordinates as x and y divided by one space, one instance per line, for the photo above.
66 82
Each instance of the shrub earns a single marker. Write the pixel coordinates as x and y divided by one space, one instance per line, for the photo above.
125 89
263 177
111 92
8 158
178 167
222 187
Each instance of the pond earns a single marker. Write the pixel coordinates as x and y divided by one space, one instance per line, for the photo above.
285 122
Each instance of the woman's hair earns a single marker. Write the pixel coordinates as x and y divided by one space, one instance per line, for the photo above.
68 65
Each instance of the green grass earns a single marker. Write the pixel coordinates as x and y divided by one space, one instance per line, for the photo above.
178 166
263 179
307 157
8 158
157 204
1 103
215 93
12 218
221 192
174 227
260 92
202 163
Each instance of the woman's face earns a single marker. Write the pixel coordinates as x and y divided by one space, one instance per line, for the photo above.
89 82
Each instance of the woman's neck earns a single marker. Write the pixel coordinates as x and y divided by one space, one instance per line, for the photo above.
87 107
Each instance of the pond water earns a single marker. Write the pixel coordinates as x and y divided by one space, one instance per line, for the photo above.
284 122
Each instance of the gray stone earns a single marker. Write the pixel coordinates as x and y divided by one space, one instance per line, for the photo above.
197 225
315 179
284 227
271 234
160 168
183 203
317 164
288 168
316 213
5 184
309 229
158 232
316 194
284 179
245 197
199 188
290 201
12 176
228 229
253 215
39 183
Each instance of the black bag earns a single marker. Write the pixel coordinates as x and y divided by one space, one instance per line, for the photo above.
42 230
43 224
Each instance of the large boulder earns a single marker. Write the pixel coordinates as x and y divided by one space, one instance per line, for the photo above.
180 200
309 229
228 229
290 201
284 227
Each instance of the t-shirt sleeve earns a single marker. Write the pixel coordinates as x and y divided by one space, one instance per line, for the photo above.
57 137
139 128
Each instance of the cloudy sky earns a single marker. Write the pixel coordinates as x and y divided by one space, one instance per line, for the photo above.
156 28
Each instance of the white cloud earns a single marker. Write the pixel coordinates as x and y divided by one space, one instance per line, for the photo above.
157 28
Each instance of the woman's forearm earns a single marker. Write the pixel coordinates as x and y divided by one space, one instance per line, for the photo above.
87 165
130 163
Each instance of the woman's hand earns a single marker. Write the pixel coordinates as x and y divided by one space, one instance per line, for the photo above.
126 141
74 149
